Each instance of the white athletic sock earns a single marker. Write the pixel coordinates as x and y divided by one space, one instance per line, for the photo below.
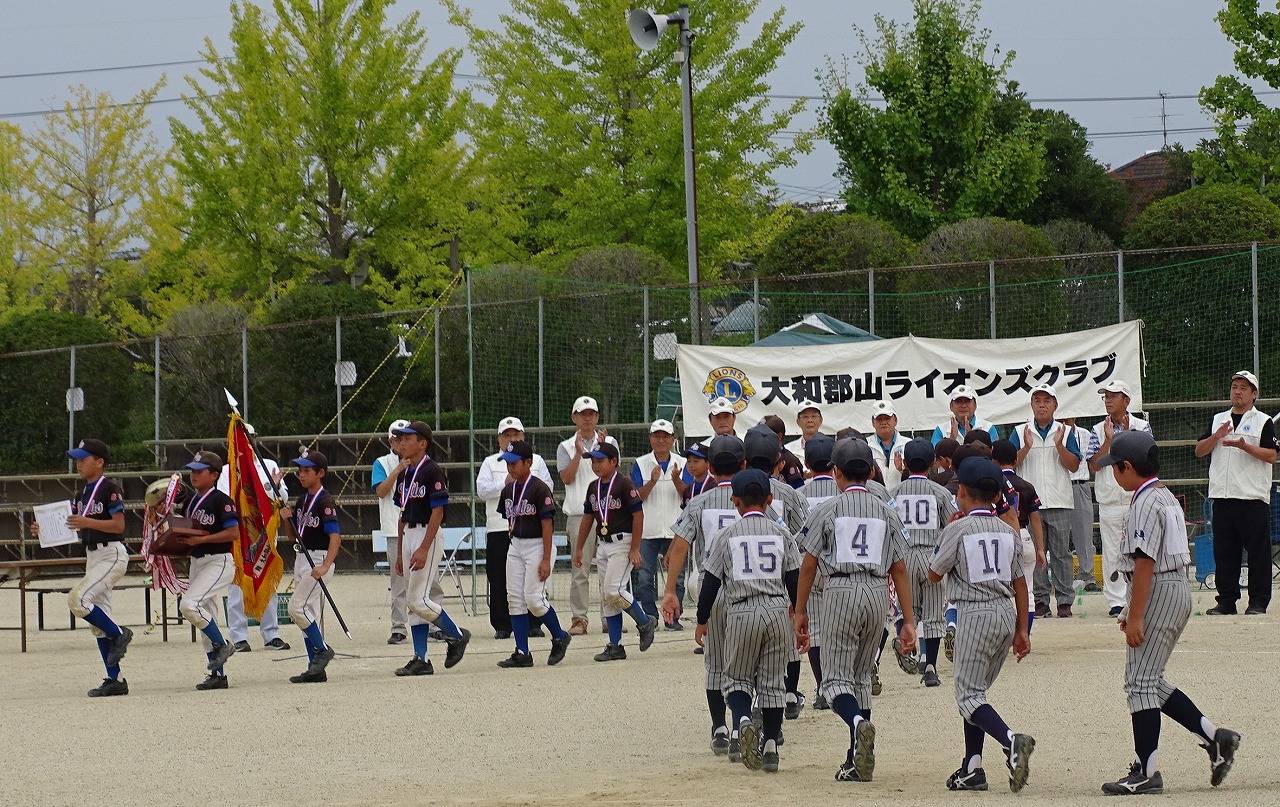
1207 727
973 763
770 747
1151 767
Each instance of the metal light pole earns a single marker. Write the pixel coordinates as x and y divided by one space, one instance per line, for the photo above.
646 28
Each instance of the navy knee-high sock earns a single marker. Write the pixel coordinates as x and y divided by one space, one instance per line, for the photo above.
1146 738
931 651
793 677
715 705
973 737
986 717
739 706
1187 714
815 664
846 706
772 724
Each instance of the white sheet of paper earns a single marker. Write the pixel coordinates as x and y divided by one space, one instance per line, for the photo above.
52 518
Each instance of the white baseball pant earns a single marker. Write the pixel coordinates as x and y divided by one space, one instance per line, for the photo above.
421 585
525 592
103 568
306 602
209 578
613 562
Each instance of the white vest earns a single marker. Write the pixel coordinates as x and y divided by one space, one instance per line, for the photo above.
1233 474
662 508
575 495
388 512
892 476
1043 470
1106 490
492 480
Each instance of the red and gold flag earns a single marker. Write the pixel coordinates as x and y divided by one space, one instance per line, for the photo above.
258 564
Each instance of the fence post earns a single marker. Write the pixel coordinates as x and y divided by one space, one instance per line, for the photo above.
156 372
542 378
1253 266
644 348
871 301
471 427
244 370
71 413
436 340
755 317
991 292
1120 285
337 360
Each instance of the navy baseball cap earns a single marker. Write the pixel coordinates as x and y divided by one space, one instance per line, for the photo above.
517 451
852 456
204 460
416 427
918 449
726 448
817 450
604 451
1130 446
89 447
696 450
751 482
761 443
981 473
311 459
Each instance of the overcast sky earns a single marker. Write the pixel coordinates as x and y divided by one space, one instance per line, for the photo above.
1105 52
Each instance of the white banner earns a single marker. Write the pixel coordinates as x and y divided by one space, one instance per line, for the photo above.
916 375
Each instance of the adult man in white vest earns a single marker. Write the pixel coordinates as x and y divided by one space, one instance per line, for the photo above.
1113 500
887 444
657 476
386 469
809 420
574 467
1048 453
490 482
964 417
1241 446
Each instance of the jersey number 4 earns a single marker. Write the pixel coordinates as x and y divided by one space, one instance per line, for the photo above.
859 541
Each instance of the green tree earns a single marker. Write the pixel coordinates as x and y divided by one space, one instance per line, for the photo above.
934 153
326 147
93 174
1248 131
586 128
1206 214
18 279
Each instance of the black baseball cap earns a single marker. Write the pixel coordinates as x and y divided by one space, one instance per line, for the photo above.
416 427
696 450
977 436
968 452
89 447
918 449
817 450
761 443
1004 452
517 451
205 460
980 473
1130 446
725 449
751 482
853 457
310 458
604 451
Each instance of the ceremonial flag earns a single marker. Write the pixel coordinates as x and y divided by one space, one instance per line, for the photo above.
258 565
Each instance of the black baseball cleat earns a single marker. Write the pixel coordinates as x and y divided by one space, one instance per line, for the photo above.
847 773
820 703
275 644
864 750
535 633
558 649
720 742
321 660
110 687
647 630
1137 783
612 652
1115 611
213 681
752 747
949 643
793 708
119 646
905 663
1020 761
416 666
309 677
769 761
876 686
973 780
221 652
735 749
1222 754
497 634
457 648
516 660
398 637
243 647
930 677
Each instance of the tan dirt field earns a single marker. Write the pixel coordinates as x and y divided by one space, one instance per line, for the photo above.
633 732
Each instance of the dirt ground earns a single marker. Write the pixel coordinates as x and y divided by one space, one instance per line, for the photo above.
629 732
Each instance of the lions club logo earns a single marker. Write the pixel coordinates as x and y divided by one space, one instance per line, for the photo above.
729 383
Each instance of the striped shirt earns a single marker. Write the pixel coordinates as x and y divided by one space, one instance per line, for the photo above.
818 489
788 505
1155 526
980 556
751 556
924 507
854 532
705 516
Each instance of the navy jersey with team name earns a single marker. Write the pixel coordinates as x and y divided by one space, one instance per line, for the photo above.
212 511
618 498
525 505
316 518
99 500
419 489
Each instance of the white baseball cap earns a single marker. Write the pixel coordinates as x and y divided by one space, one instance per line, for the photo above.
720 406
661 425
510 423
964 391
397 426
1047 389
882 409
585 403
1116 385
1247 376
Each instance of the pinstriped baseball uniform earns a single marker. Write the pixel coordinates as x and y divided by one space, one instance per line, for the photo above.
1155 527
793 508
855 538
702 521
817 490
750 557
924 507
980 557
878 490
